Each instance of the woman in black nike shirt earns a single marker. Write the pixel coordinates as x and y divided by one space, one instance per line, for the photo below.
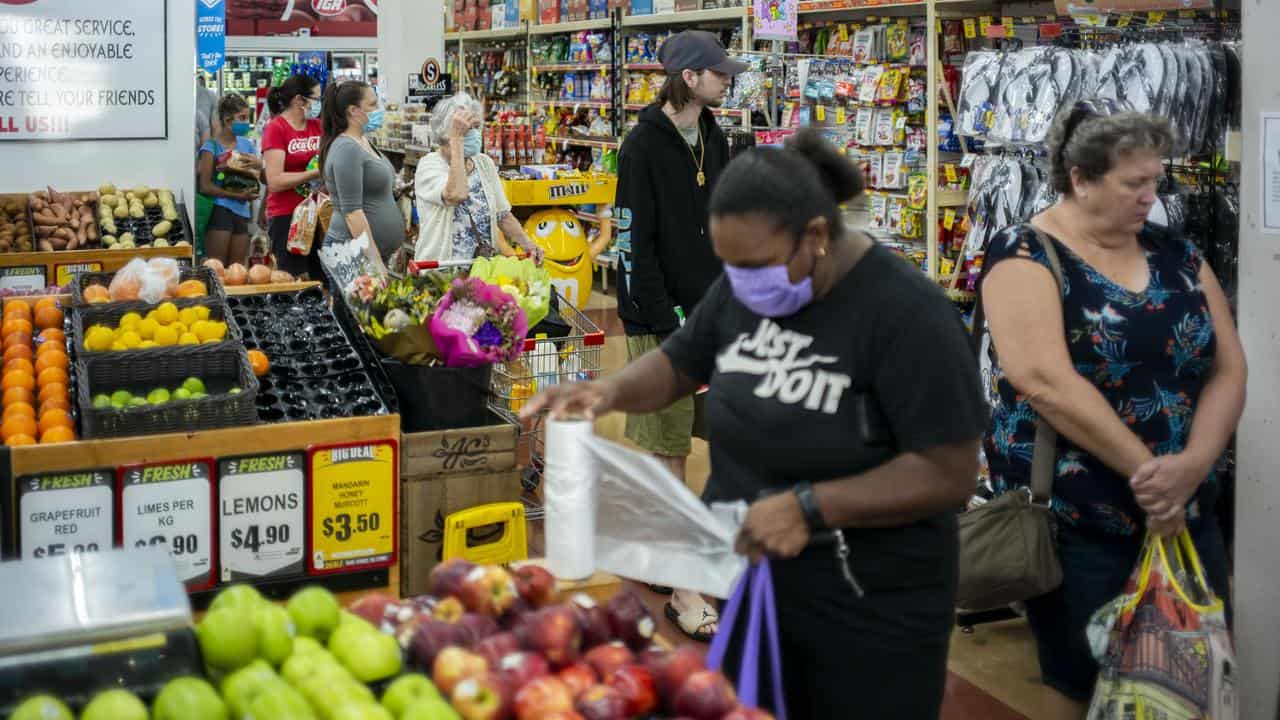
843 395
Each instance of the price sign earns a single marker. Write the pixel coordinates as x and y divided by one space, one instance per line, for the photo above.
26 277
352 506
262 523
984 23
61 513
171 505
64 273
970 28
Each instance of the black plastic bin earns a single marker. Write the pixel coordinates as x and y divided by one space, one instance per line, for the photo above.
439 398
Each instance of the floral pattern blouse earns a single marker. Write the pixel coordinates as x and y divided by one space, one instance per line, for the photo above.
471 220
1149 353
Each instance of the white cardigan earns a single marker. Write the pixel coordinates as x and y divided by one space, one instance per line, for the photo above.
435 218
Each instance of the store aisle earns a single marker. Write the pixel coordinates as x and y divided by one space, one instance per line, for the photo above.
994 673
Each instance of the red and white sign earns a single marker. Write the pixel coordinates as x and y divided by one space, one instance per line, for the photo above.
304 145
329 8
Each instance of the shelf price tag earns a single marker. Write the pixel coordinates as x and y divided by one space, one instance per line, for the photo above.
984 22
25 277
840 117
1123 21
171 505
1187 14
352 515
820 112
950 170
970 28
949 218
262 523
1156 16
62 513
1007 22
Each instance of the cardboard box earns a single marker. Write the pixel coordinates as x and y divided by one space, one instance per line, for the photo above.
442 472
548 12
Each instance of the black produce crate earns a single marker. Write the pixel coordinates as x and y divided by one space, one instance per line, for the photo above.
203 274
109 314
221 369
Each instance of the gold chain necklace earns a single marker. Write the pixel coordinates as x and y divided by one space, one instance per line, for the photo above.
702 155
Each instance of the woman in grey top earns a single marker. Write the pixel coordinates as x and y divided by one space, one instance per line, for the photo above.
360 179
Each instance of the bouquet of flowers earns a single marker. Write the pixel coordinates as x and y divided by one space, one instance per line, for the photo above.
478 324
394 314
529 284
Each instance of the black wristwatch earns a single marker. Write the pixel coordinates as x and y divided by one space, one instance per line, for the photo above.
809 506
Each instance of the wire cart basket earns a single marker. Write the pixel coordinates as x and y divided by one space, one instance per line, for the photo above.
572 353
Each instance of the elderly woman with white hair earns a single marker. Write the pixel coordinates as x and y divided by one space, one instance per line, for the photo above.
463 210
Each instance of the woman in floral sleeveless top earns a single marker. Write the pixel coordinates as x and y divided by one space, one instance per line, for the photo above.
1136 363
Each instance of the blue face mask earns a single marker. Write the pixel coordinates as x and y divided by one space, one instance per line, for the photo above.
240 128
472 143
313 111
374 122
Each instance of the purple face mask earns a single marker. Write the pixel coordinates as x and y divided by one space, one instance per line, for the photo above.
768 291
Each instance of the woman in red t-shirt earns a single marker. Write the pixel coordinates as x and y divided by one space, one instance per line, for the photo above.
289 142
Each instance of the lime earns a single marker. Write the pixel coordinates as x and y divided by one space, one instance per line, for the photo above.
194 385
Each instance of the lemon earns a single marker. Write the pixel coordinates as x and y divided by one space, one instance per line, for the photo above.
118 346
188 339
188 316
213 330
166 336
130 321
130 339
208 342
152 316
147 344
147 328
202 312
99 338
167 313
179 327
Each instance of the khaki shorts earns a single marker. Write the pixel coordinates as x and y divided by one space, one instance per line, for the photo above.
667 432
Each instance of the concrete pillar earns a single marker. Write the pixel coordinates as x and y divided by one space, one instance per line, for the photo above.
409 32
1257 569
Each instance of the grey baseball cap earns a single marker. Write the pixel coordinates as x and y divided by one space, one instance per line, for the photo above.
697 50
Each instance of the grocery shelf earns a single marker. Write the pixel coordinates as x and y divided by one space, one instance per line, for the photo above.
571 67
642 66
602 104
953 198
472 35
570 27
685 18
818 7
605 143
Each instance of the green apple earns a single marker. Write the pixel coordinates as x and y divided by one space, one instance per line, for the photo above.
189 698
362 711
198 395
323 680
241 686
182 394
432 709
303 665
333 691
228 638
115 705
102 401
315 612
121 397
243 597
42 707
194 385
234 391
279 702
137 401
275 634
407 690
368 654
303 645
159 396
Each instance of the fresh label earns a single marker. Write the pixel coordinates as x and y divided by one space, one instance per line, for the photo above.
262 519
353 524
61 513
170 506
27 277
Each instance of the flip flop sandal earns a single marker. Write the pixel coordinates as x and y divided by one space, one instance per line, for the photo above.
660 589
694 621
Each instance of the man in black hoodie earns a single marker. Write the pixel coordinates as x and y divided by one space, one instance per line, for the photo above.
666 168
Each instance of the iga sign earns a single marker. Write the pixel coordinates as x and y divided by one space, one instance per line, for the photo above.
75 70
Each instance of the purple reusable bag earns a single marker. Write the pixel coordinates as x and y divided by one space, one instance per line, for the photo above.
758 583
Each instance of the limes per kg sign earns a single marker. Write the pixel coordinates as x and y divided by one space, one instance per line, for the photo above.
352 514
170 505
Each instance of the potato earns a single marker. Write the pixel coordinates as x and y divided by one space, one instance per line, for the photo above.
182 243
160 242
109 240
162 229
142 191
170 214
125 245
150 201
137 212
121 211
127 238
107 189
109 201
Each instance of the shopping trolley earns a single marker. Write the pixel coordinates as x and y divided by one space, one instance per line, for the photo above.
572 353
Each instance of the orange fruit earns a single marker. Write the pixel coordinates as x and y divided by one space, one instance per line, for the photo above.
52 390
16 352
15 324
17 378
19 409
96 293
18 395
54 335
19 439
20 364
16 338
18 425
54 418
47 302
52 359
17 308
259 362
55 402
48 317
51 376
48 347
192 288
57 435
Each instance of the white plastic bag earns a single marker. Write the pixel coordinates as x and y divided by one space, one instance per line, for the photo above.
346 261
149 282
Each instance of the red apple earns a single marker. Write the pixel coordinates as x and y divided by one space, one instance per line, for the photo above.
579 676
521 668
477 627
705 695
540 696
561 715
496 647
535 584
593 621
630 620
449 609
446 578
605 659
488 589
745 713
480 698
453 665
515 614
671 668
430 638
380 609
552 631
601 702
635 685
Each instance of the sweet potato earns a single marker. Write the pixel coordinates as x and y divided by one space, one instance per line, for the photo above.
46 246
44 231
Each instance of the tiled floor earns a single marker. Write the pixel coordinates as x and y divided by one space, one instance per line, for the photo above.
993 671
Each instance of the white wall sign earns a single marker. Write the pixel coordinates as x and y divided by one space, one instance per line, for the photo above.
170 506
1271 172
77 70
263 526
61 513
